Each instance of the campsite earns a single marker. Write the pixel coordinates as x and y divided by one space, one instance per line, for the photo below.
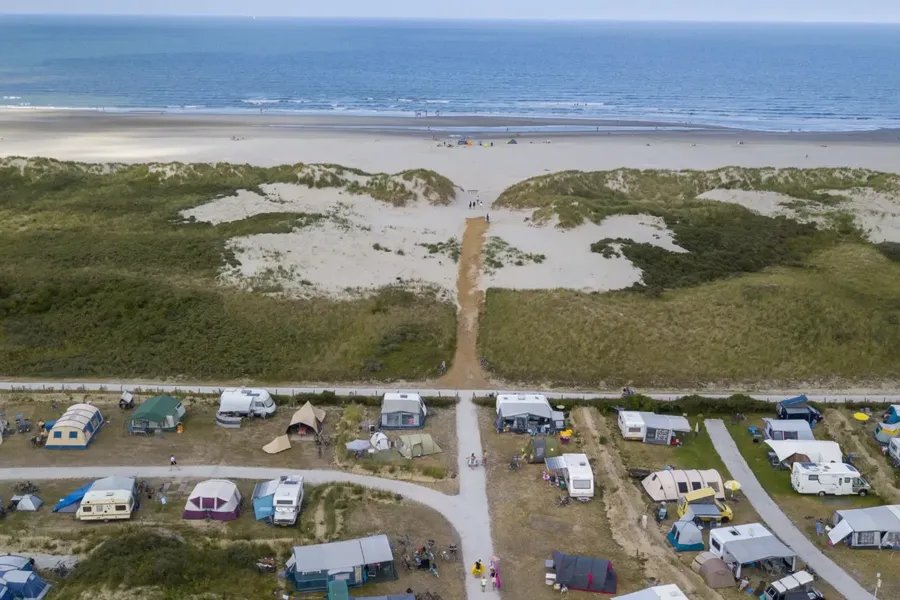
331 513
813 514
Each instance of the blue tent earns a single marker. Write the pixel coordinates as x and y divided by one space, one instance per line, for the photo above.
263 500
892 415
685 536
25 585
70 503
5 594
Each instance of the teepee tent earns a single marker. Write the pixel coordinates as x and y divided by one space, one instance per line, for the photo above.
419 444
308 418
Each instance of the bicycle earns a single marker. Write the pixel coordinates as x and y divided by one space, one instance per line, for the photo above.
563 501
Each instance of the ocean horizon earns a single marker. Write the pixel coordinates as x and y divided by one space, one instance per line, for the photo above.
756 76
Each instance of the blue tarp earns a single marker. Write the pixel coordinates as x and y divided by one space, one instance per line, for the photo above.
892 415
72 499
263 500
794 400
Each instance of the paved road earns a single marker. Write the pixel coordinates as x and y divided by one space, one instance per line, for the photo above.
777 521
87 386
467 512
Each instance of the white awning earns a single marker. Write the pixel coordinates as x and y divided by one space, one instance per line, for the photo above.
841 531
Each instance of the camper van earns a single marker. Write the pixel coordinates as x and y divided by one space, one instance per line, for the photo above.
831 478
801 582
246 402
704 505
578 476
287 500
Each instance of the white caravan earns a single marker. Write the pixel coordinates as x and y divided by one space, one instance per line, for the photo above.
287 500
108 499
832 478
578 476
246 402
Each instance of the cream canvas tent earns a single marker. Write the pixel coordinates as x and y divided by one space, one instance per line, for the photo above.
279 444
419 444
790 451
308 418
671 485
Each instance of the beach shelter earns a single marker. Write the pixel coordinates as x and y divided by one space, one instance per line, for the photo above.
379 442
70 503
685 536
307 420
263 499
25 585
76 428
512 142
418 444
159 413
885 431
713 570
539 448
279 444
217 499
27 503
584 574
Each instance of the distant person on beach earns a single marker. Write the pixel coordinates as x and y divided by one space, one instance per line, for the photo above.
487 218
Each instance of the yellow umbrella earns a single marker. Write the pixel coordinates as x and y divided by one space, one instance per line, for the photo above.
733 486
861 416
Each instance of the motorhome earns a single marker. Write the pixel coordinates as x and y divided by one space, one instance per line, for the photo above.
246 402
108 499
832 478
800 583
704 505
894 451
287 500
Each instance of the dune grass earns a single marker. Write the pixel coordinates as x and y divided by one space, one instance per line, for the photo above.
99 277
836 319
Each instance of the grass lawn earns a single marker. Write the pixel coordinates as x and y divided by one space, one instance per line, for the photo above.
804 510
201 558
836 319
107 250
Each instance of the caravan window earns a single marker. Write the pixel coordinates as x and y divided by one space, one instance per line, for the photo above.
682 487
121 507
813 477
715 544
581 484
85 508
634 430
285 502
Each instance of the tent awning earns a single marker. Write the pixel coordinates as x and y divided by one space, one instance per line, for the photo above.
754 549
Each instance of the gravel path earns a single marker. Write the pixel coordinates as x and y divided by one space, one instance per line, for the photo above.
776 519
467 512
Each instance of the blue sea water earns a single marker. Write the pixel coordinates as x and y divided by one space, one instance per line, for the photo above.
755 76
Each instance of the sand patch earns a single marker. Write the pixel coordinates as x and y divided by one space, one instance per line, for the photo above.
566 258
876 213
358 246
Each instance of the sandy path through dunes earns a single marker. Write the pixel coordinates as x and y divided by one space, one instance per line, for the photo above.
624 509
466 372
879 472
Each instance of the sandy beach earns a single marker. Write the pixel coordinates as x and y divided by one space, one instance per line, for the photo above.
308 261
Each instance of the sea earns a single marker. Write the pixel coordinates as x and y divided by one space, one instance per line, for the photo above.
772 77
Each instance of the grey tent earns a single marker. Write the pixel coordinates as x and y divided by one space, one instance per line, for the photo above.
512 141
27 502
713 570
585 574
539 448
685 536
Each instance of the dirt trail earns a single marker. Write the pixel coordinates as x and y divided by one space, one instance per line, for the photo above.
624 509
874 467
466 372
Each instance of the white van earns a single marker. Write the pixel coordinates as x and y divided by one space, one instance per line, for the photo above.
578 476
246 402
287 500
832 478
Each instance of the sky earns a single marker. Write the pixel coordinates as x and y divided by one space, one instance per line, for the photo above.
651 10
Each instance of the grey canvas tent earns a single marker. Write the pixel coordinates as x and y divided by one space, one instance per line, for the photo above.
419 444
538 449
585 574
403 411
27 502
713 570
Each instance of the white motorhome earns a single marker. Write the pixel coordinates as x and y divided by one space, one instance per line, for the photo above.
108 499
246 402
578 475
894 450
832 478
287 500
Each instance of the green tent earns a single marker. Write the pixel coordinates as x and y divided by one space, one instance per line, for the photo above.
418 444
159 413
539 448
